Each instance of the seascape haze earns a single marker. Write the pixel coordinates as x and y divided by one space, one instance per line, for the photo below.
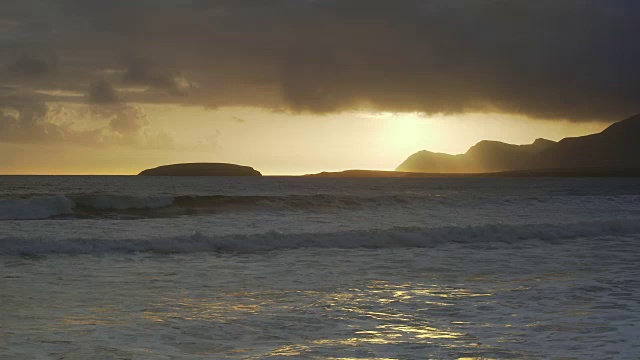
319 179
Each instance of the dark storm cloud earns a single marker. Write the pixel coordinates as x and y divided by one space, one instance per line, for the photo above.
102 92
34 63
143 72
573 59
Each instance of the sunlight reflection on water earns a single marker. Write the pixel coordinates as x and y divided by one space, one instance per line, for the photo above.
262 306
379 313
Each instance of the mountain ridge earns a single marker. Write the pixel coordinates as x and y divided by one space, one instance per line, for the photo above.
484 157
616 147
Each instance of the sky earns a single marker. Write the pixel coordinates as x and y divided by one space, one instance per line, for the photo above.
302 86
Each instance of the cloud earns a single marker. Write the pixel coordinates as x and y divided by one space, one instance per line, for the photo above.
143 72
34 63
125 120
26 119
574 59
102 92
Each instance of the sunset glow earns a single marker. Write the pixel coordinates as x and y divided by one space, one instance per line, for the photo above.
264 139
319 179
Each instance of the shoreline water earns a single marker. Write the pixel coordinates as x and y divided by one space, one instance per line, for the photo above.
290 267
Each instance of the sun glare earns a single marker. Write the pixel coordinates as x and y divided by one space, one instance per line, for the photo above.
403 131
399 132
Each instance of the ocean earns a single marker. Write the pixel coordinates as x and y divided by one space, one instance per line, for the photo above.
121 267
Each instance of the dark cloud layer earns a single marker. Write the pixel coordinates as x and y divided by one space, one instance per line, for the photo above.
575 59
102 92
34 63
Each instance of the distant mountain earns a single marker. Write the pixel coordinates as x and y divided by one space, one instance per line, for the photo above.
618 146
485 156
201 169
615 148
567 172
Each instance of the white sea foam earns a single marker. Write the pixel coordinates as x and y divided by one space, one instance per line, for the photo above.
36 207
460 268
400 237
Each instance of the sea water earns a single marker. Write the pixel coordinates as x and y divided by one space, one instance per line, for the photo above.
286 268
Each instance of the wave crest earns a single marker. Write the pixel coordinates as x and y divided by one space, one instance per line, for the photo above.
119 202
413 237
36 207
96 206
133 207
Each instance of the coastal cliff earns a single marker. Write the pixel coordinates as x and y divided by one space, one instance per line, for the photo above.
614 150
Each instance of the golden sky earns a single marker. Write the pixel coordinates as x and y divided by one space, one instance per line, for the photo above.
301 86
281 143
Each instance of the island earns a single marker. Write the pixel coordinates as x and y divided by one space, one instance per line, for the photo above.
201 169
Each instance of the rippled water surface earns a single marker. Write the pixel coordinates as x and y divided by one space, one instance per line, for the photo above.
577 300
353 269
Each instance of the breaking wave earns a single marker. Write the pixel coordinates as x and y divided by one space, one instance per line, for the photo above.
120 206
401 237
37 207
123 207
117 202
